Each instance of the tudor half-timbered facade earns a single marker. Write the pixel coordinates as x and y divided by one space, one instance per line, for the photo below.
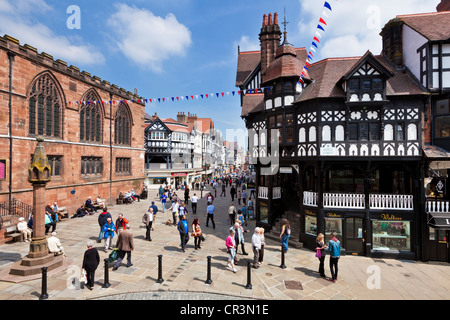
342 152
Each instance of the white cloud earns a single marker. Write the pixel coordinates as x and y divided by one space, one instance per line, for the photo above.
353 26
245 44
146 39
14 17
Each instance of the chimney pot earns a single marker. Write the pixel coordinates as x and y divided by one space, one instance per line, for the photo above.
270 19
265 20
275 18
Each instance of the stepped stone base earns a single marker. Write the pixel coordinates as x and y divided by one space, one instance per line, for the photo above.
33 266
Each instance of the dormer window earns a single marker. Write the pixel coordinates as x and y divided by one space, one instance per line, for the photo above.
366 81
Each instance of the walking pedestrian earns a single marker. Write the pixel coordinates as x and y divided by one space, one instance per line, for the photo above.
121 223
223 190
155 212
183 229
241 239
256 245
163 202
108 234
182 210
244 214
91 260
210 215
263 244
232 213
125 245
334 246
194 201
209 198
232 192
196 233
320 250
239 196
102 217
174 209
231 250
147 219
244 197
186 195
285 234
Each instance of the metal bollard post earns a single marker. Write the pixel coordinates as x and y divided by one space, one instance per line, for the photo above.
160 279
106 284
44 294
283 266
249 276
208 280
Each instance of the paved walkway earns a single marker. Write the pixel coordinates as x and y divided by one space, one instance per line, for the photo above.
184 274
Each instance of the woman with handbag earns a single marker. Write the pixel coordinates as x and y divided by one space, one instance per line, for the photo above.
320 253
196 233
91 261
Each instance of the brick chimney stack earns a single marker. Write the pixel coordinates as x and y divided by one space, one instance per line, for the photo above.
443 6
270 38
191 118
154 117
181 117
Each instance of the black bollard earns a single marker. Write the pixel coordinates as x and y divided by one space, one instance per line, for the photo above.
208 280
160 279
249 275
44 294
283 266
106 284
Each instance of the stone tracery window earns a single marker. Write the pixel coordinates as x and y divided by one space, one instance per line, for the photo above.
91 118
122 125
45 107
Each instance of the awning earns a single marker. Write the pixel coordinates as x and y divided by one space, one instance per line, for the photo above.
439 220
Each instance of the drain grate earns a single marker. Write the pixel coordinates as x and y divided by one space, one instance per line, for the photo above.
293 285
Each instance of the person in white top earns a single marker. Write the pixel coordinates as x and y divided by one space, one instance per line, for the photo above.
256 244
194 201
147 219
174 209
100 202
54 245
23 228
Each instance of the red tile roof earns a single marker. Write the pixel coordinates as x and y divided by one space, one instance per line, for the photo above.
434 26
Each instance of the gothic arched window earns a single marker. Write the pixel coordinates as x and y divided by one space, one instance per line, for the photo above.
45 107
122 125
91 118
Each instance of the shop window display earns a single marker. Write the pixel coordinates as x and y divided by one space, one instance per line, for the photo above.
333 225
311 225
389 235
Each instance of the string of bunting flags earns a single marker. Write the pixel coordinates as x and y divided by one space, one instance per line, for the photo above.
320 29
178 98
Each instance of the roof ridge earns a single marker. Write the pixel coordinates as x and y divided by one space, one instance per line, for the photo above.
421 14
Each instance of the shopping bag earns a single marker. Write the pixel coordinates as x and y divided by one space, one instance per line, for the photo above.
83 277
319 254
113 255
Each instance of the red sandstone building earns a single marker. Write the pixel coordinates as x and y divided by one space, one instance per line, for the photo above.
94 148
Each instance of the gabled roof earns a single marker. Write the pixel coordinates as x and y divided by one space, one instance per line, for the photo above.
368 58
247 62
434 26
327 75
156 121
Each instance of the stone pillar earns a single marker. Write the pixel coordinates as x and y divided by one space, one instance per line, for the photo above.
38 256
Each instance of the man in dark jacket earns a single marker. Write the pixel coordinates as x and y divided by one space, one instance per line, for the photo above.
125 245
101 222
183 230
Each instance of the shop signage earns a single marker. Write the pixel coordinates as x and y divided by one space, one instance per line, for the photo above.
178 174
386 216
333 215
309 212
440 186
2 169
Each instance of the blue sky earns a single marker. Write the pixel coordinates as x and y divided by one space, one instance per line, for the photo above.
170 48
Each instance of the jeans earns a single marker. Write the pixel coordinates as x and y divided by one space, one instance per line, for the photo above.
284 242
321 266
182 239
210 216
164 207
194 207
334 267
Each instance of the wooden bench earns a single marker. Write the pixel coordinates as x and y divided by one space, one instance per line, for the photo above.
14 233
